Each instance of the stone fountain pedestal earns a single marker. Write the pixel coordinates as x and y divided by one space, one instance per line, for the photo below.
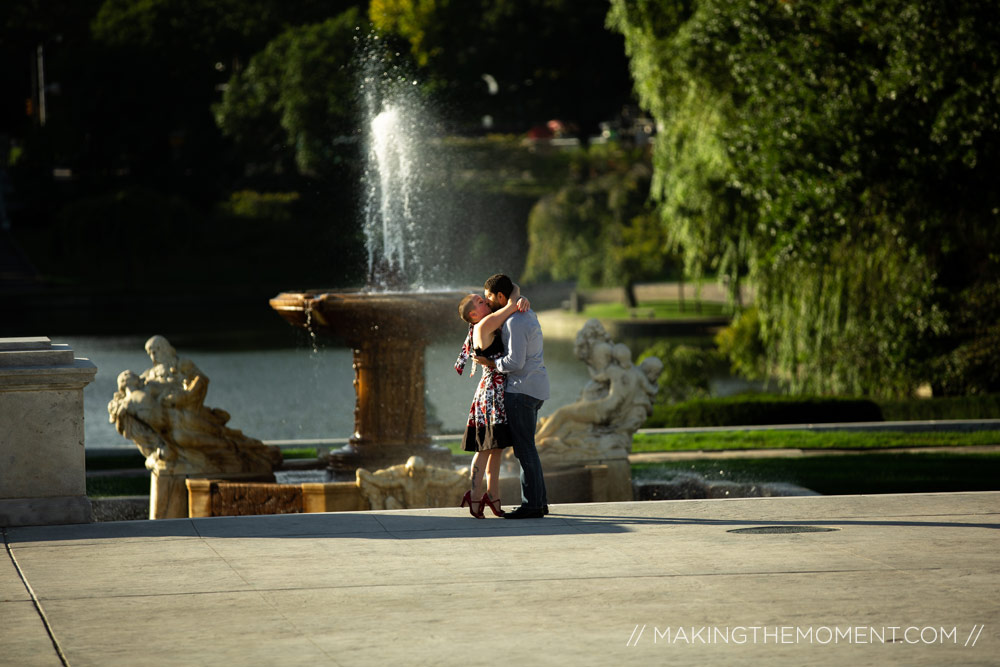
43 474
388 332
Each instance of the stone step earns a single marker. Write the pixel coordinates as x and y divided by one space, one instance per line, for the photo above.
57 355
25 343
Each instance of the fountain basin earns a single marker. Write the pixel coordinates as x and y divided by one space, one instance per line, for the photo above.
388 333
357 316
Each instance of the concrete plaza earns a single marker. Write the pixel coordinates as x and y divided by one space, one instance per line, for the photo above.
889 579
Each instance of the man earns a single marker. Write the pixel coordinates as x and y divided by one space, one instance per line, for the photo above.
527 389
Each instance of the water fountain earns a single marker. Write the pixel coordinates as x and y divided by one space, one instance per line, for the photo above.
389 322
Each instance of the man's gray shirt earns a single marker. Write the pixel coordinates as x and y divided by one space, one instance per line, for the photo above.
523 364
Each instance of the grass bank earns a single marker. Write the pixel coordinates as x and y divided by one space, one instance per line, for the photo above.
659 310
782 439
847 475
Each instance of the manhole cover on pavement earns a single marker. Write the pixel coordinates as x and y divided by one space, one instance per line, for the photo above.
765 530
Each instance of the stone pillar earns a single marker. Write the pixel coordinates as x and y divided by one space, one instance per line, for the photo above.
389 414
168 495
43 477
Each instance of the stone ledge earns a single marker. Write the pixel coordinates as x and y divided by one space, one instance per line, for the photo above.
57 355
39 378
44 510
25 343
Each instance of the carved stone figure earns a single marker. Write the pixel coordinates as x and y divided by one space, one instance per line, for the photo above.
163 412
612 406
412 484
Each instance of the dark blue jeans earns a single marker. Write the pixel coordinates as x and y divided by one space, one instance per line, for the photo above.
522 413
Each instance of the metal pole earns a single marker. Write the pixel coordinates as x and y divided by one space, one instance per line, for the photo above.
40 58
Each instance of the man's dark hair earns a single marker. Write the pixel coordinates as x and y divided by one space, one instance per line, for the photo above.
499 283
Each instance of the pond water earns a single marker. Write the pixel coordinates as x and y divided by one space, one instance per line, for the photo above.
297 391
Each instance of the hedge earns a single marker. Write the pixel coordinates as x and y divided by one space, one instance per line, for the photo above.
764 409
981 406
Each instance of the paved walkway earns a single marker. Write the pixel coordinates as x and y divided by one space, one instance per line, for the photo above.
894 579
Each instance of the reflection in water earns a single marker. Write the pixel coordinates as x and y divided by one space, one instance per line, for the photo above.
289 393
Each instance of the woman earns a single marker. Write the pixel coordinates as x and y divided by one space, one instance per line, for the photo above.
487 431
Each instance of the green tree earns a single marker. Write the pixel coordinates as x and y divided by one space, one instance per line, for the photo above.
296 97
687 370
547 58
157 68
840 156
130 89
599 229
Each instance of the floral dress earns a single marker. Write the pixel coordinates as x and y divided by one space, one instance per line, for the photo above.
487 427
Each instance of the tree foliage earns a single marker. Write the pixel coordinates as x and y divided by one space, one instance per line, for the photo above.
687 370
130 84
548 58
599 228
843 158
220 29
296 96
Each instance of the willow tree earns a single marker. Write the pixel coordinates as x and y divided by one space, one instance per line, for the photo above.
842 158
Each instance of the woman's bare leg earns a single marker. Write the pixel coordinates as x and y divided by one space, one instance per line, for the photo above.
495 457
477 470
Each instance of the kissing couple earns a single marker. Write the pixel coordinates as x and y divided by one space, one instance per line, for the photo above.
506 340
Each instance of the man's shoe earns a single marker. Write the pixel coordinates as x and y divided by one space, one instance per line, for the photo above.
525 512
545 510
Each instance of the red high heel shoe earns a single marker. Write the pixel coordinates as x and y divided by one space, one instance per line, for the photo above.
497 510
467 500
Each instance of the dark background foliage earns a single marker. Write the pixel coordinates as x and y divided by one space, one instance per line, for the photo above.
836 160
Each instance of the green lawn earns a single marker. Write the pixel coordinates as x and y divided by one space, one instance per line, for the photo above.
657 310
647 442
843 475
782 439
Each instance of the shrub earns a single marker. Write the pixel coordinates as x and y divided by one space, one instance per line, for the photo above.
108 237
686 370
985 406
763 409
741 344
275 206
